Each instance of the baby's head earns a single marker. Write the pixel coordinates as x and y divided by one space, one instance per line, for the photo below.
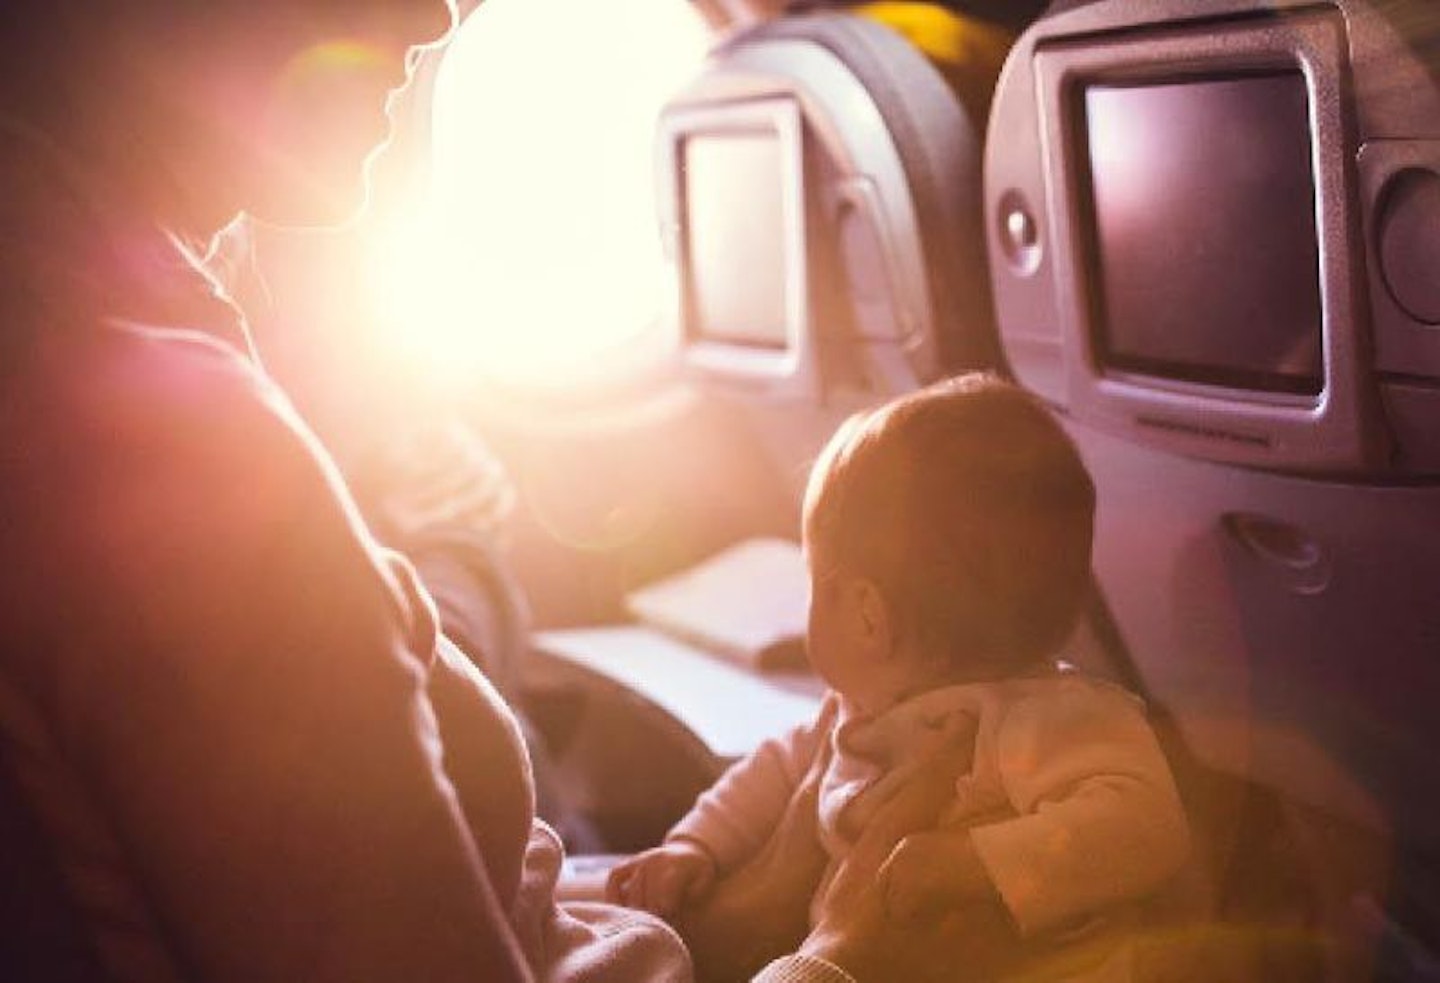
948 536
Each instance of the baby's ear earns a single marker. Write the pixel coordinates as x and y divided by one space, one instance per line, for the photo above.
876 620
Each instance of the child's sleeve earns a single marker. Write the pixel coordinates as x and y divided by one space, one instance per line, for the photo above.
1099 821
735 817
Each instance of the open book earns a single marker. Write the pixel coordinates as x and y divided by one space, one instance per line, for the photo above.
748 602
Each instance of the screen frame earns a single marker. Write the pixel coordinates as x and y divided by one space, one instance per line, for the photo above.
728 359
1216 421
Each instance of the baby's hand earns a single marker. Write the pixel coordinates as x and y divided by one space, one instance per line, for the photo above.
662 879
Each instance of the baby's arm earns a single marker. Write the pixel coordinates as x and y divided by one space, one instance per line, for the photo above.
734 819
1099 819
662 879
729 824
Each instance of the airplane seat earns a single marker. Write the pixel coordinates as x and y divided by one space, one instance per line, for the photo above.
863 273
938 136
1212 242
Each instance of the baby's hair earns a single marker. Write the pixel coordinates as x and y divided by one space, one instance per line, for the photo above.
970 509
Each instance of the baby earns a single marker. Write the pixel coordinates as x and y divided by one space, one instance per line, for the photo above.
948 539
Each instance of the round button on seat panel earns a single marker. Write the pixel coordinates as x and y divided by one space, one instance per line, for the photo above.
1019 233
1409 242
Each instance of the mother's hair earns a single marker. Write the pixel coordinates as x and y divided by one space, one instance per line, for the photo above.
87 84
86 127
73 68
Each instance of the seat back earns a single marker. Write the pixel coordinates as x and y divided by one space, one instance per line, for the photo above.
938 140
876 224
1267 537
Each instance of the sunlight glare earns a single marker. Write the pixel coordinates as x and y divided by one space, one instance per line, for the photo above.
536 256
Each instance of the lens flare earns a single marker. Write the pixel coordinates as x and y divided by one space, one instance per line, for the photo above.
339 57
323 114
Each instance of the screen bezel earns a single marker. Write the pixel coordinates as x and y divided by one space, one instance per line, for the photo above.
1213 420
737 360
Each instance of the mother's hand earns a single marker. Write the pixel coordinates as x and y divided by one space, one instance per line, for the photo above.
857 932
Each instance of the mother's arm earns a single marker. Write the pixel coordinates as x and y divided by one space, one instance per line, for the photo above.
247 696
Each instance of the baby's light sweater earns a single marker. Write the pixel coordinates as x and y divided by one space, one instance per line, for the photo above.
1069 801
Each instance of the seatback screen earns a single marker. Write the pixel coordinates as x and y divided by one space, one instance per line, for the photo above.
735 227
1205 259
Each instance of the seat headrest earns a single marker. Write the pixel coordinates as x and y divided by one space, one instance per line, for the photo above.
892 177
940 145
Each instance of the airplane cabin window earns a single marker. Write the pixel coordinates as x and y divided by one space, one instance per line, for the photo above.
536 259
